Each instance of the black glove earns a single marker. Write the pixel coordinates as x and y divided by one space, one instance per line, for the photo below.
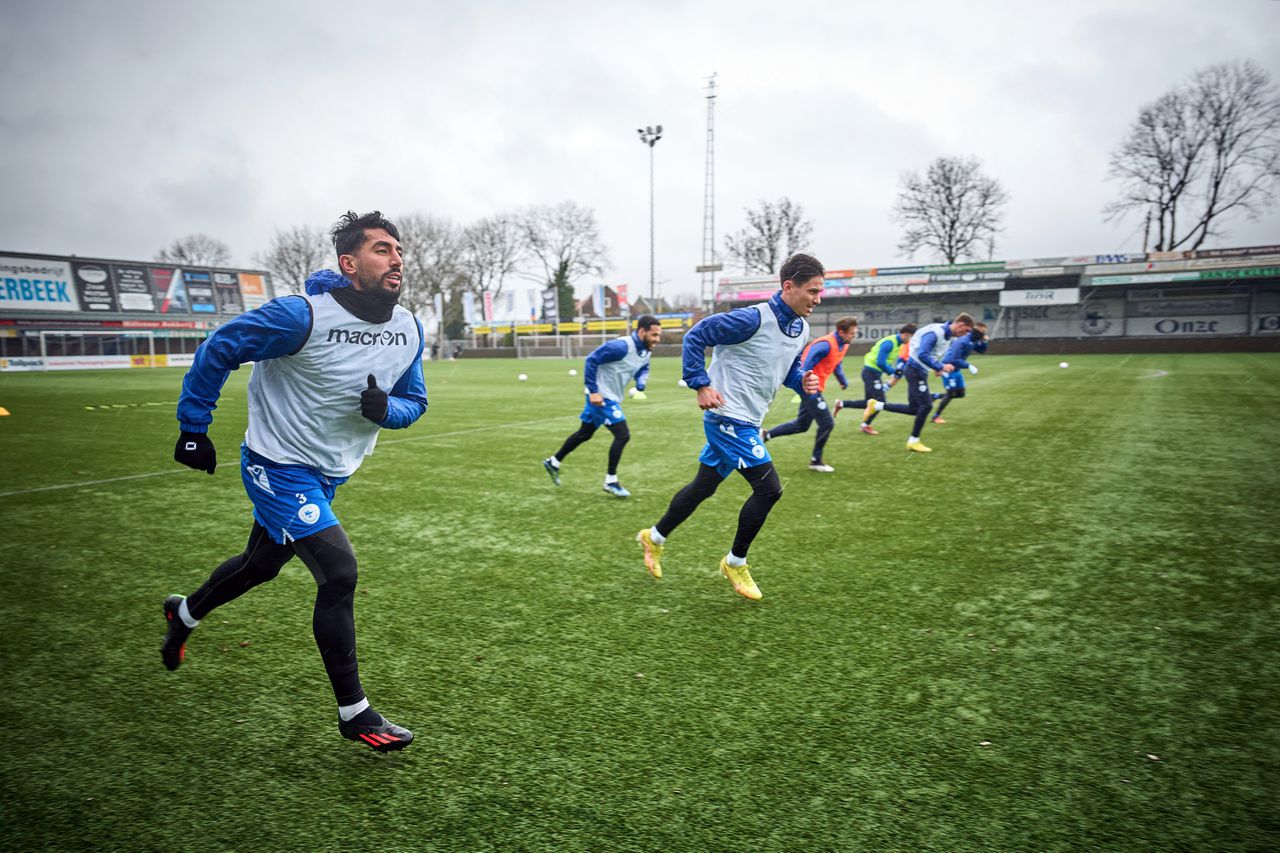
195 450
373 402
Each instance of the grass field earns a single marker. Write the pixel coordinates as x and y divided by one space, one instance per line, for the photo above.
1059 631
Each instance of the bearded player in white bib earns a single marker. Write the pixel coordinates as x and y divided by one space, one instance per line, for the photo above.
756 350
331 369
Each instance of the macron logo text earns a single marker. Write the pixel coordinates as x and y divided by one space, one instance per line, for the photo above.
367 339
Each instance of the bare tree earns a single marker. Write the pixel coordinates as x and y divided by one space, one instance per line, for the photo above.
196 250
953 209
432 249
295 253
1200 151
492 250
775 230
564 240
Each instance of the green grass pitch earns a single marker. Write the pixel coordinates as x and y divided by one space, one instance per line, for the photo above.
1058 631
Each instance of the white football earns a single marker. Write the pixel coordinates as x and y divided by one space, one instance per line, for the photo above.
573 372
522 377
682 383
1062 364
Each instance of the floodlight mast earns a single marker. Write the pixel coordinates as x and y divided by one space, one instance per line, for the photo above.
650 136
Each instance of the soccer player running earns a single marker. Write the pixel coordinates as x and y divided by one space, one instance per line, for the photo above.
879 365
331 368
607 371
756 350
957 352
927 348
823 357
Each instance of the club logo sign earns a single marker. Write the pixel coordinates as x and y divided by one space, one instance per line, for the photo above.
309 513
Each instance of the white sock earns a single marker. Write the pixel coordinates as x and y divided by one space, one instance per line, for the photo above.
913 438
185 615
348 712
610 478
555 463
656 537
734 560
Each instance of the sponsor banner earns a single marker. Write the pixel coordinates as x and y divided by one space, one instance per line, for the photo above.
1145 266
168 289
35 284
253 288
900 270
1054 296
165 324
181 359
1168 256
961 286
132 288
146 360
598 301
1036 262
1222 263
1252 272
1266 324
744 295
226 286
974 267
93 284
1248 251
1233 324
969 276
469 309
624 304
1189 307
200 292
1031 272
1098 318
874 333
488 306
21 364
550 305
88 362
1103 280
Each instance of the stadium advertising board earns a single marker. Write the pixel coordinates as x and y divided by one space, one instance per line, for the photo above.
1098 318
36 284
72 285
1051 296
1181 326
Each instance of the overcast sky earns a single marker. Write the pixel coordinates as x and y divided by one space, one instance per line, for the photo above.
124 125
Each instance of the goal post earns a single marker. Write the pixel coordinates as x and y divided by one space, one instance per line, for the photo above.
115 342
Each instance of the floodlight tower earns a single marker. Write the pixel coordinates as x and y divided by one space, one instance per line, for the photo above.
709 266
650 136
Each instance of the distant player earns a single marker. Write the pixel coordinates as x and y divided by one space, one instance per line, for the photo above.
316 405
608 371
879 365
823 357
927 349
757 349
957 352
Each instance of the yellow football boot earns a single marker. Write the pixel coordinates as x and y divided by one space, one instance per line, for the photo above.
740 577
652 553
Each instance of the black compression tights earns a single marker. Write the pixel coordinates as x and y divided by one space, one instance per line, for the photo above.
766 489
621 435
329 556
